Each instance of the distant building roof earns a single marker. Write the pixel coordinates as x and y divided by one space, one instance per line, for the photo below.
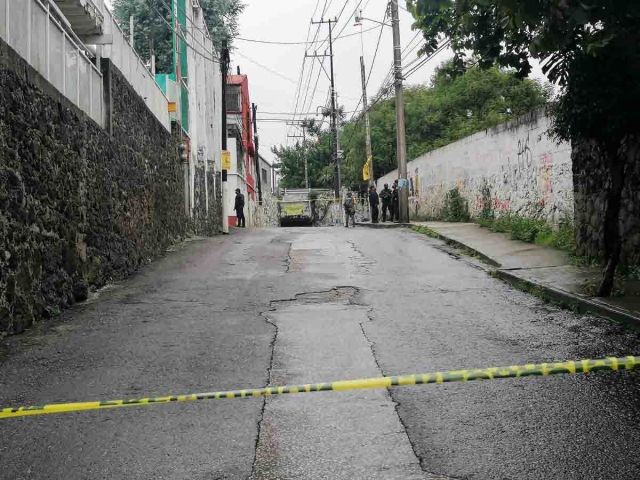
236 79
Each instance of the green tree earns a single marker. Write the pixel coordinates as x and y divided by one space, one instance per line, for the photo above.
450 108
591 48
317 150
152 19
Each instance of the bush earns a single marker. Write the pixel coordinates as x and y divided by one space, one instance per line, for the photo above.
532 231
456 207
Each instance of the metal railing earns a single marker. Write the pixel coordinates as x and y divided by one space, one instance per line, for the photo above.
31 29
127 60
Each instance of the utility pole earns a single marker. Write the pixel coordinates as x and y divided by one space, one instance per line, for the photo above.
152 54
302 124
224 67
131 31
254 109
306 162
403 184
366 121
334 119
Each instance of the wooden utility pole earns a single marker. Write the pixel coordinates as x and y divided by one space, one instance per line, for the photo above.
334 112
302 124
365 104
403 184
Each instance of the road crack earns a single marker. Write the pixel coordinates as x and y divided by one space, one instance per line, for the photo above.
263 407
397 404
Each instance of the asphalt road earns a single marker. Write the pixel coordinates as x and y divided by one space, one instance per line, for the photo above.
294 306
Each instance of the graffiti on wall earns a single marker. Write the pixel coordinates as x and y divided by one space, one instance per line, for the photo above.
524 171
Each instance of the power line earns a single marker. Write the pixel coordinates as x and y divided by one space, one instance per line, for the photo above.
412 40
306 95
375 55
181 35
355 10
426 60
315 89
336 21
299 113
205 33
267 68
311 42
324 10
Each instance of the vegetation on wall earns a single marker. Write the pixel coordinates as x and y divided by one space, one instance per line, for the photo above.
153 20
446 110
456 207
591 49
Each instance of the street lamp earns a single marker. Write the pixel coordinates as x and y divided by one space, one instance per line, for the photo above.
358 19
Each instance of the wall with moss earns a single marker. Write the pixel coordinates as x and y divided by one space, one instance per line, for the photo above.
78 207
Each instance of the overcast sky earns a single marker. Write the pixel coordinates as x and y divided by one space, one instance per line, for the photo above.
274 70
289 21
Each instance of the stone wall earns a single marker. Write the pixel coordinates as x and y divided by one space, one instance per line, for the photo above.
591 182
78 207
266 215
515 168
207 211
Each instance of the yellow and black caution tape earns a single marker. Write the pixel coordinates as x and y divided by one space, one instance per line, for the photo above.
514 371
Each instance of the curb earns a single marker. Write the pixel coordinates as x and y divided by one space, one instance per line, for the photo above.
383 225
568 299
455 243
572 300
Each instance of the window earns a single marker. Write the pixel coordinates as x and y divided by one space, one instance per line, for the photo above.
264 177
234 98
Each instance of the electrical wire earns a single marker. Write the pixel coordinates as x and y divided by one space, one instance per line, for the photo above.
426 60
306 95
409 44
311 42
289 113
355 10
344 6
267 68
181 35
204 33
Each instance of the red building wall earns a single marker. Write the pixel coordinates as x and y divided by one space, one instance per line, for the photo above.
247 131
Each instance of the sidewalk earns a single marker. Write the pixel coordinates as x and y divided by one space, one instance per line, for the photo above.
545 269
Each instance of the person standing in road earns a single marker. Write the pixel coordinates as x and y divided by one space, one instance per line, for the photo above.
239 208
350 210
374 202
395 203
385 196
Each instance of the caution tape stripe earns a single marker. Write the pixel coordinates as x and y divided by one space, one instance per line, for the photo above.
494 373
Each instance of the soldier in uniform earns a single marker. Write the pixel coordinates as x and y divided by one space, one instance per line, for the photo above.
395 203
385 196
374 202
350 210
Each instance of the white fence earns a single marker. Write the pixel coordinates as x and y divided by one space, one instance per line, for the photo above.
29 27
134 70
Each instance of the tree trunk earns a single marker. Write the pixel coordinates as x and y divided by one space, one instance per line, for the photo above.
612 236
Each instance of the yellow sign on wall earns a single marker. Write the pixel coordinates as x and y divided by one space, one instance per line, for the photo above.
226 160
294 210
366 171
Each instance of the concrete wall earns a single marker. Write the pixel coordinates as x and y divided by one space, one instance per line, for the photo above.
205 102
130 65
266 215
515 166
78 207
